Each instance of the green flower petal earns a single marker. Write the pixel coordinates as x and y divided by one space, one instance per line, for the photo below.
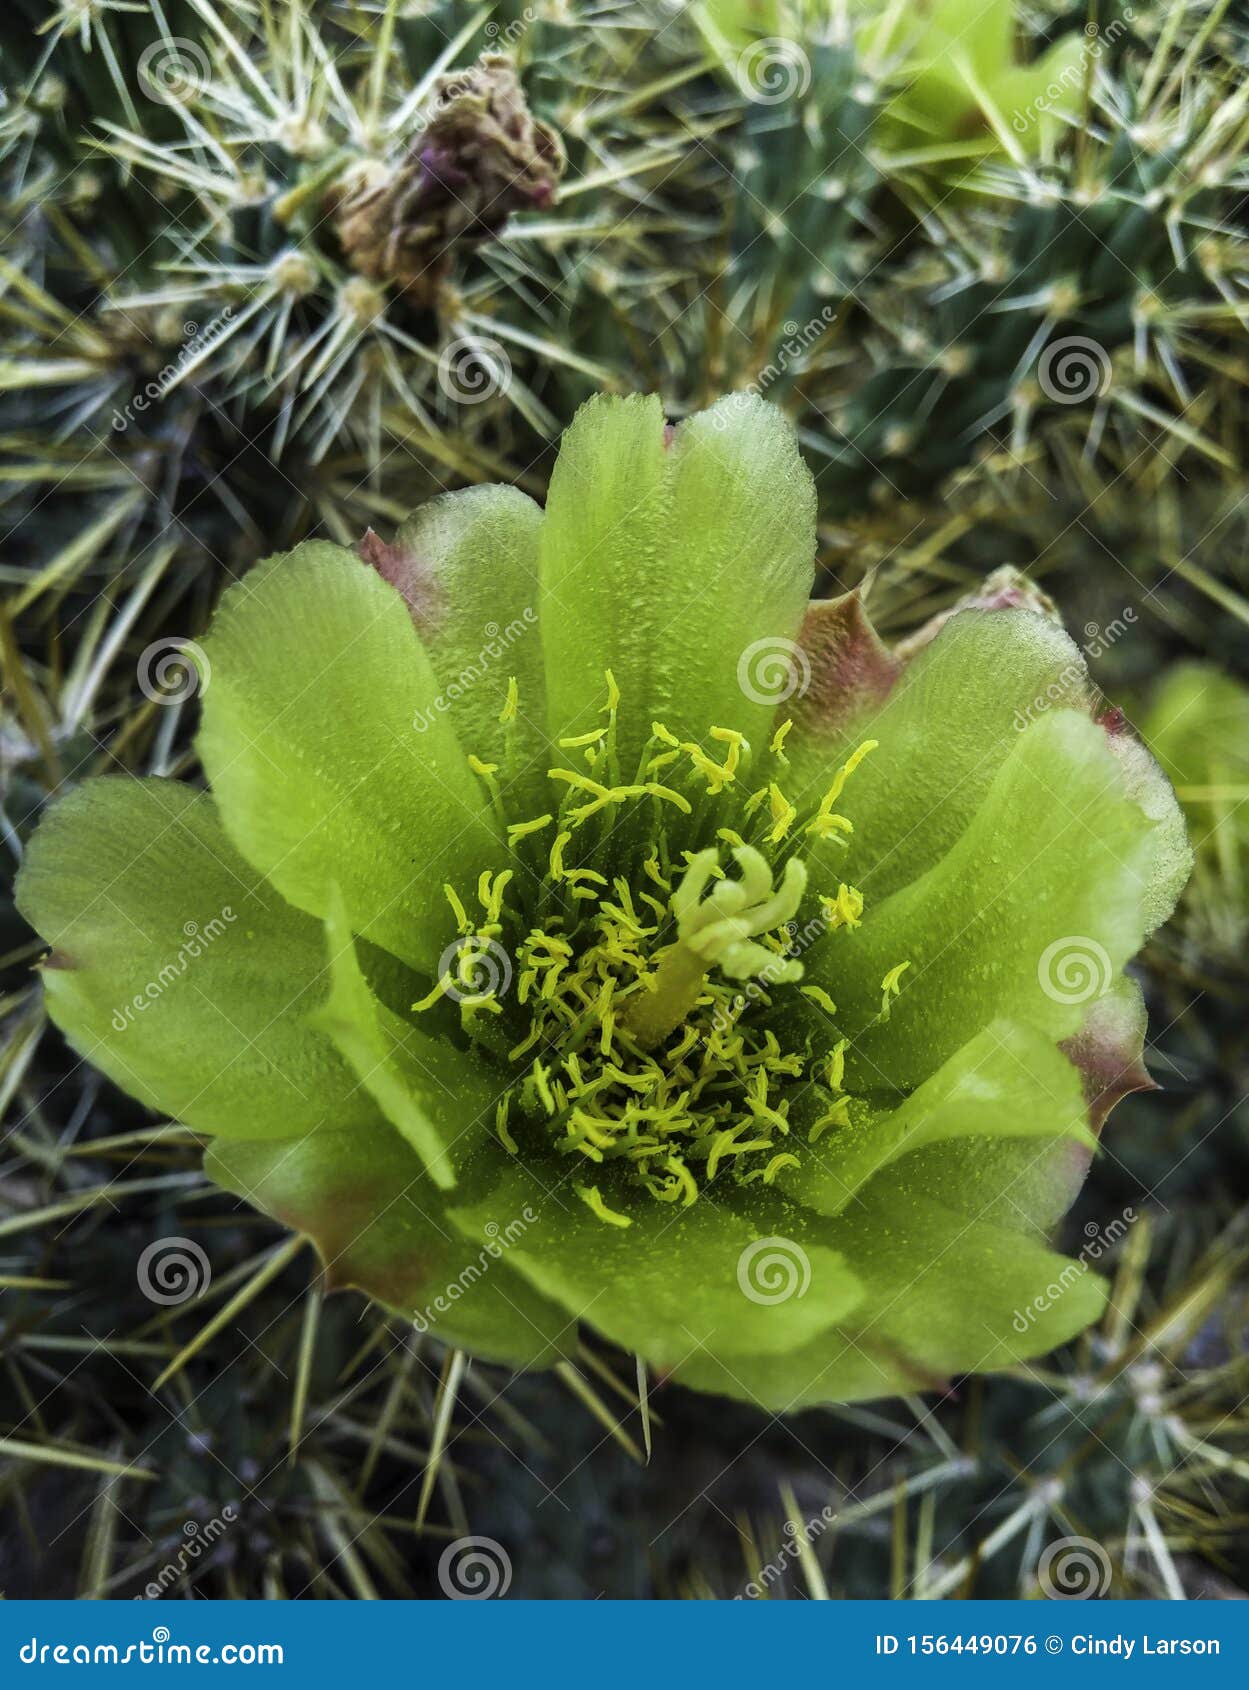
1010 1081
178 970
1030 915
672 567
432 1092
468 564
953 716
943 1296
309 739
671 1284
379 1224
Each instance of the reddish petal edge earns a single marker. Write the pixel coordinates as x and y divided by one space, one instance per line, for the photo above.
1109 1052
852 668
411 576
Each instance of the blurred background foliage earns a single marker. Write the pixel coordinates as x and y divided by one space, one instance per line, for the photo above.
1004 294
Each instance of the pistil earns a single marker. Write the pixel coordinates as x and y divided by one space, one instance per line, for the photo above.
718 931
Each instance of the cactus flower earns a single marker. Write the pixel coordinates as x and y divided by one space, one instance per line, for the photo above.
590 929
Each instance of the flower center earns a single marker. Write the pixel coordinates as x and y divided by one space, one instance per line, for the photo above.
644 1000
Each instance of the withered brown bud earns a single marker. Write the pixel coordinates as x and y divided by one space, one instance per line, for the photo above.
480 156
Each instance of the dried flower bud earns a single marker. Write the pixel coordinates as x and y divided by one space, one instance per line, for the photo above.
480 156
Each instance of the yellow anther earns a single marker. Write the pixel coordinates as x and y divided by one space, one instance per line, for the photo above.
817 994
594 737
512 702
557 855
826 823
891 987
592 1198
479 768
686 1183
768 1174
779 738
664 735
613 691
500 1126
579 782
441 988
845 910
783 814
521 830
836 1071
465 925
838 1115
846 770
538 1075
654 790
